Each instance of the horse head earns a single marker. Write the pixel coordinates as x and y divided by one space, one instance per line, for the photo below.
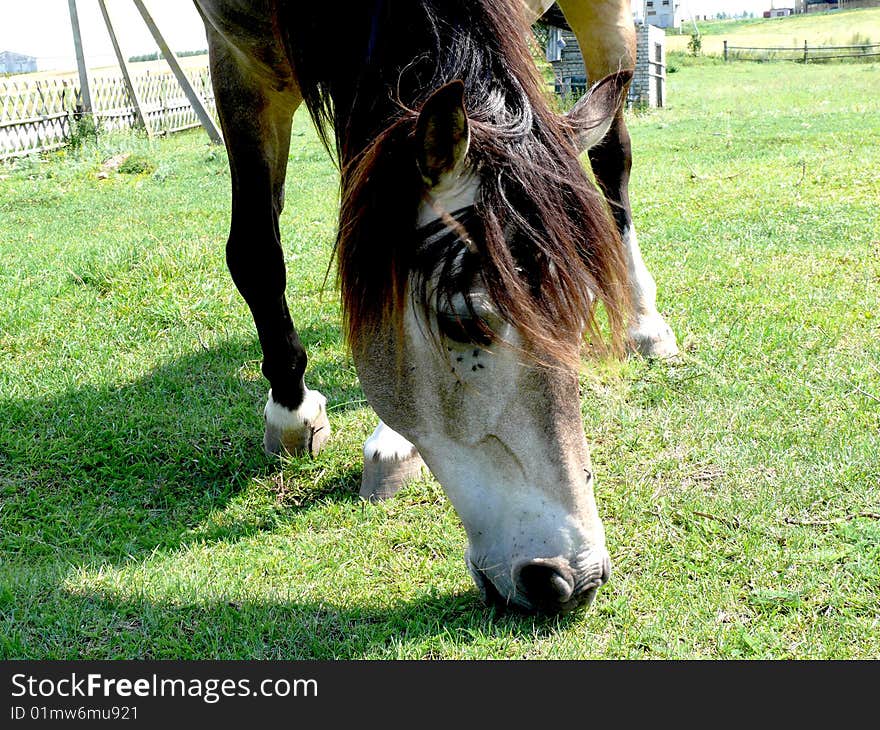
464 373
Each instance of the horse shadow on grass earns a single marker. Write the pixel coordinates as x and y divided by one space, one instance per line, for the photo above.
432 626
99 477
113 472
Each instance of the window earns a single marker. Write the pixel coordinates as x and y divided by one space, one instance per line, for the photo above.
650 3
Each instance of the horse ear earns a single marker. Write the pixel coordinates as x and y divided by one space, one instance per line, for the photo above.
442 134
592 116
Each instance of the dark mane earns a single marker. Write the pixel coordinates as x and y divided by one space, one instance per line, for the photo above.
365 76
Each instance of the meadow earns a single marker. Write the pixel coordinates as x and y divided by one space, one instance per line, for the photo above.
832 28
740 485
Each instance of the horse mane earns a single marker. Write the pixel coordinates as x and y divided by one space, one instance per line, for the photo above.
364 75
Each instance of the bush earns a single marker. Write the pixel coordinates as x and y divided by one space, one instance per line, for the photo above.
695 44
83 130
137 165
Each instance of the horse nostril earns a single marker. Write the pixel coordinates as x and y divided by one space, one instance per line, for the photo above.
544 584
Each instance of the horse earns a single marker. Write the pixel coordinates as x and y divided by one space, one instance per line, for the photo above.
472 250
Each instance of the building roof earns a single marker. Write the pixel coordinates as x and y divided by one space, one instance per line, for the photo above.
13 54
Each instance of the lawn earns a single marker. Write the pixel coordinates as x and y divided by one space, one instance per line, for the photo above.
740 487
829 28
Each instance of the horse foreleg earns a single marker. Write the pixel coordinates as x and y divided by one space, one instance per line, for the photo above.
606 36
390 461
256 119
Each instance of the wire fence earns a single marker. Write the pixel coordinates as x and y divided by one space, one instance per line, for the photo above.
38 116
802 54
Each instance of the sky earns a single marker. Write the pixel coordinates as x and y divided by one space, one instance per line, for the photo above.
41 28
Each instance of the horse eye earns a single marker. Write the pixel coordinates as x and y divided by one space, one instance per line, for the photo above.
464 329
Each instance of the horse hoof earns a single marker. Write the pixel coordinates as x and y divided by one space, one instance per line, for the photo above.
383 479
654 339
303 431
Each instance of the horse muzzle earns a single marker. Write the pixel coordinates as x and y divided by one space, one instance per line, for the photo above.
545 586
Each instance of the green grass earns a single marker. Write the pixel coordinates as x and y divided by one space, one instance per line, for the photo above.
833 28
139 518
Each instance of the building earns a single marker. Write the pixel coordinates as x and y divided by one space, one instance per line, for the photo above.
648 86
663 13
778 12
814 6
16 63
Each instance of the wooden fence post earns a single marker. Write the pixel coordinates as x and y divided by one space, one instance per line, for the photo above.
806 52
725 50
41 126
126 73
80 59
194 99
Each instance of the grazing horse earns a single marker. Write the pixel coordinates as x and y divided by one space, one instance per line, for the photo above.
471 249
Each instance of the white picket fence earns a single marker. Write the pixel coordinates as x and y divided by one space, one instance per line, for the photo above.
39 115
